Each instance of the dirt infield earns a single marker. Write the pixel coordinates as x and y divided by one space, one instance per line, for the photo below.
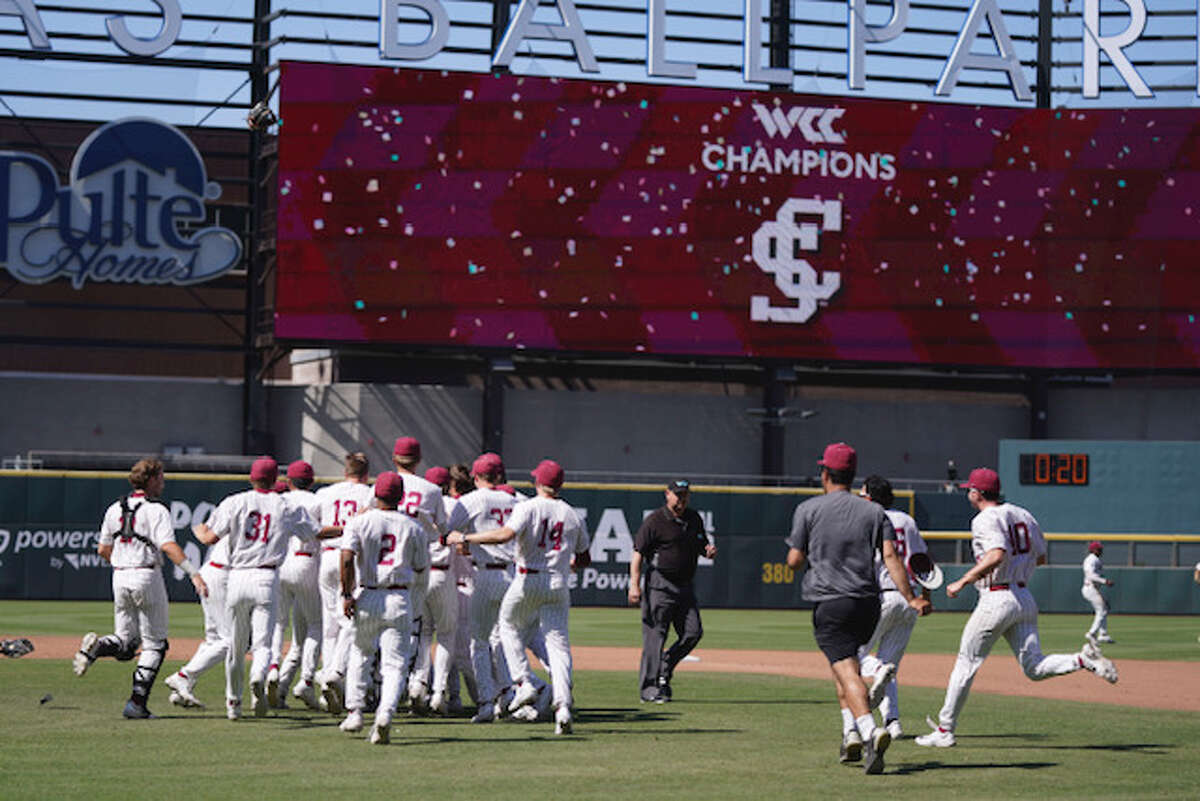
1153 685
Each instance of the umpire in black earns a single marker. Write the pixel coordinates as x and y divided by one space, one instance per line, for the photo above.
669 543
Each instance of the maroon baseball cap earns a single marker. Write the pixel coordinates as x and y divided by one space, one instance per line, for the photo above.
437 475
408 447
509 488
1095 546
301 470
548 473
487 464
280 487
839 457
983 479
264 469
389 487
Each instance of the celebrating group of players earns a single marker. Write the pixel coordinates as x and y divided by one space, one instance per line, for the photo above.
367 574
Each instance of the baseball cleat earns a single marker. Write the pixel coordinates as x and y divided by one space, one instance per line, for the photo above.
437 704
873 750
381 734
181 688
485 714
526 714
562 720
304 691
233 709
260 699
1104 638
353 722
87 653
1091 659
878 689
331 693
938 738
893 727
526 694
136 711
273 688
851 750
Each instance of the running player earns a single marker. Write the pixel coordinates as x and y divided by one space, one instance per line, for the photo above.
211 651
1008 545
299 603
896 617
259 524
134 534
550 540
423 503
338 503
381 549
488 508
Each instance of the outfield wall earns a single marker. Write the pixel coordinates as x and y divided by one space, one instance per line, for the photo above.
49 525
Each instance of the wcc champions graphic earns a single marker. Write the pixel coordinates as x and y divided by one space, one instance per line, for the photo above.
131 212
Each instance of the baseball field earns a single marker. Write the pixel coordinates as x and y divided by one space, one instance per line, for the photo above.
754 717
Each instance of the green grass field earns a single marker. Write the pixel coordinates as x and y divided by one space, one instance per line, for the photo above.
753 737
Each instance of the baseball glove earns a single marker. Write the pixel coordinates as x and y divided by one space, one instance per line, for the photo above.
16 648
925 571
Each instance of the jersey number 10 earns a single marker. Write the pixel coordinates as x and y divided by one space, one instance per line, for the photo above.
1018 538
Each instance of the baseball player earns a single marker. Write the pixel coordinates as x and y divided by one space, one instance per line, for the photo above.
381 549
299 603
1008 545
549 540
1093 580
338 504
259 524
458 484
423 503
441 605
135 531
896 617
210 652
488 508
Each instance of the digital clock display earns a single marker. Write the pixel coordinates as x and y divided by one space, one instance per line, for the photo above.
1054 469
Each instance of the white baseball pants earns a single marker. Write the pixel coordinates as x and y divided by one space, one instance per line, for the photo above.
336 634
1013 615
541 600
1100 606
140 607
892 632
381 620
251 602
299 603
440 615
491 669
212 651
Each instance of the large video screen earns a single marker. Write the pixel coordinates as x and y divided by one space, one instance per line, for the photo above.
463 210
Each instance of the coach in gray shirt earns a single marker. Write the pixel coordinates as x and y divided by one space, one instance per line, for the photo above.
838 535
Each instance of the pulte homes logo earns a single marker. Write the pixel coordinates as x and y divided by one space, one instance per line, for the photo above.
131 213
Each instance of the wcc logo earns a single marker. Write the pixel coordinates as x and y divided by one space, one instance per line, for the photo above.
814 124
128 215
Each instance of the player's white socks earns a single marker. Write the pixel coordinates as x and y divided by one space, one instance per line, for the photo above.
847 721
866 726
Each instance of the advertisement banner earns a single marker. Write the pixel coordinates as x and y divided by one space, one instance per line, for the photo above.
501 211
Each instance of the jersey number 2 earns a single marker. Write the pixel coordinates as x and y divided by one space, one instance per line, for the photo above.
388 547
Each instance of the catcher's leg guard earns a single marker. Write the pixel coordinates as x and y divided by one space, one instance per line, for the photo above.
114 646
147 671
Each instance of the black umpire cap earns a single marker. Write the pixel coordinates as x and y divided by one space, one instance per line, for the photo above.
679 485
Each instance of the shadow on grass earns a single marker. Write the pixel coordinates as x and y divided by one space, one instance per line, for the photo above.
769 701
922 767
1135 748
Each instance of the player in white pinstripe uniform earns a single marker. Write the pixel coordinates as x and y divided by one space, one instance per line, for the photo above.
210 652
432 667
550 540
134 534
338 503
1008 545
259 524
459 483
387 547
1093 580
488 508
299 603
423 502
896 617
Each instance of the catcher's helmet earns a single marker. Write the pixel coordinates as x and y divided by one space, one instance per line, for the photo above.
1095 547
